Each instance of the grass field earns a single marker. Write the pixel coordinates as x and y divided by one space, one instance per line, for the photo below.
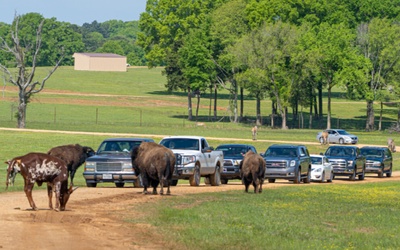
343 216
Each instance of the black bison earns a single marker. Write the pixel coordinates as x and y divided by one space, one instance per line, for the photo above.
73 155
391 145
252 171
39 168
155 164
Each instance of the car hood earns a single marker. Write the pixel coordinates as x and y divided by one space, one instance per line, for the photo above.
340 157
281 158
110 157
374 158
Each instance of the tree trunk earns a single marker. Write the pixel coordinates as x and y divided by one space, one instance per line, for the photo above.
197 106
284 112
273 108
190 114
370 116
215 101
320 103
258 111
21 112
380 117
328 119
241 103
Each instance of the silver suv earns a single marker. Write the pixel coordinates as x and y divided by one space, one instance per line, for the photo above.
112 162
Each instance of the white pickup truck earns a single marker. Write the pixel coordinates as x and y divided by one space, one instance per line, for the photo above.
195 159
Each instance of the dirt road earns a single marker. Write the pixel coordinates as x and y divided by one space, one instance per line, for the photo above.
95 217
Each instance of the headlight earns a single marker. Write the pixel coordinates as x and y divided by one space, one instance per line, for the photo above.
317 170
90 166
292 163
376 164
127 167
236 162
349 163
188 159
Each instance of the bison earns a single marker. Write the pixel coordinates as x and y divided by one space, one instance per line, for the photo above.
155 164
391 145
252 171
39 168
73 155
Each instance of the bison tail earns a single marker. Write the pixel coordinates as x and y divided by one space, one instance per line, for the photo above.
167 171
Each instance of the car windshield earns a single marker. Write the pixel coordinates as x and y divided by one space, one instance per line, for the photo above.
340 151
342 132
117 147
232 151
316 160
281 152
372 152
181 143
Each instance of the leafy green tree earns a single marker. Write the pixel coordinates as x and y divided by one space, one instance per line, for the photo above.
93 41
25 53
112 46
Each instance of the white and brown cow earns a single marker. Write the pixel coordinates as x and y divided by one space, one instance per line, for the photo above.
39 168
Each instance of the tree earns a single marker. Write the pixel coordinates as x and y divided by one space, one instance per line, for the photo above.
27 85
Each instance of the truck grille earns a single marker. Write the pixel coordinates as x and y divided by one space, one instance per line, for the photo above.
338 164
228 163
276 164
109 166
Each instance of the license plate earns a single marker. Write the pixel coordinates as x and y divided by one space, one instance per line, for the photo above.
107 176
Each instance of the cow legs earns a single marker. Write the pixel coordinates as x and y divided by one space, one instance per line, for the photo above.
145 182
28 191
154 184
57 189
50 194
246 184
72 175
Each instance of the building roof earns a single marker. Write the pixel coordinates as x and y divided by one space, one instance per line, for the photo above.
109 55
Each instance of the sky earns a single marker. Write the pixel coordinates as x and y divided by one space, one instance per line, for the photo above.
74 11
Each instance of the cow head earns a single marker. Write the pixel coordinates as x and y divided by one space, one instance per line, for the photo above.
64 196
88 151
14 167
134 156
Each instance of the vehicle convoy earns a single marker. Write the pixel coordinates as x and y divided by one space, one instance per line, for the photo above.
112 162
321 168
379 160
346 161
338 136
197 160
290 162
233 155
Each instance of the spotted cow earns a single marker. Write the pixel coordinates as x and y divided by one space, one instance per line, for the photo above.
39 168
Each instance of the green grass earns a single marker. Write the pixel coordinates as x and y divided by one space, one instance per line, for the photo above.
363 216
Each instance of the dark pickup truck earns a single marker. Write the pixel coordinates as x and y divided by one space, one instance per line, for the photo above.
290 162
379 160
346 161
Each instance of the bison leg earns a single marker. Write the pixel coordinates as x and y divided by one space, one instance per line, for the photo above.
145 182
168 184
57 190
50 195
255 185
154 184
72 175
246 184
28 191
261 183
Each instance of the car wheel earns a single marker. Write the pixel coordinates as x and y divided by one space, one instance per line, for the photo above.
91 185
174 182
321 140
341 141
297 178
362 175
322 177
389 174
308 177
215 179
271 180
207 180
330 177
224 181
353 176
194 180
380 175
119 184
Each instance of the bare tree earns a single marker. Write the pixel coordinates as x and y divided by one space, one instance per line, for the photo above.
24 78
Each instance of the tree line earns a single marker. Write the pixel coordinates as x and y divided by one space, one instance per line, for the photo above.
113 36
289 51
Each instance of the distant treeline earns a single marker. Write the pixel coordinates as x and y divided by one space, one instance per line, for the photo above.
114 36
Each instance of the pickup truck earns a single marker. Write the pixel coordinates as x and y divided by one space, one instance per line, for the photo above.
289 162
197 160
346 161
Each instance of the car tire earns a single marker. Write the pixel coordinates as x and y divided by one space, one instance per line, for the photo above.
330 178
224 181
321 140
308 177
297 178
380 175
215 179
362 175
194 180
322 177
341 141
389 174
207 180
138 182
271 180
91 185
353 176
174 182
119 184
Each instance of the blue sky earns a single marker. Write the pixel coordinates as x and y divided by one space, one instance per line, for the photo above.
74 11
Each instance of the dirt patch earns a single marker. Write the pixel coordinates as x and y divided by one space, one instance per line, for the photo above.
96 217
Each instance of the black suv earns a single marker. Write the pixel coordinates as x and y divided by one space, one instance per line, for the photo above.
233 155
290 162
378 160
346 161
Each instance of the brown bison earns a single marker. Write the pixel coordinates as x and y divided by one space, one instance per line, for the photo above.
391 145
39 168
252 171
73 155
155 164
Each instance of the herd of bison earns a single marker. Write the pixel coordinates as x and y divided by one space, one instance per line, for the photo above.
153 162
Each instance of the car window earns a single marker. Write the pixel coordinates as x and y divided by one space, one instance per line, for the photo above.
316 160
232 151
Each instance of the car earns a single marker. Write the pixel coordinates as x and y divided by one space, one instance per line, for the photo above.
340 136
379 160
112 162
287 161
321 168
233 155
346 161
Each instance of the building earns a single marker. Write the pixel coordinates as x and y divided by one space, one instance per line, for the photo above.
99 62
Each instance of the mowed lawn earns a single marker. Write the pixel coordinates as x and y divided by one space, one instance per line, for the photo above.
135 103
